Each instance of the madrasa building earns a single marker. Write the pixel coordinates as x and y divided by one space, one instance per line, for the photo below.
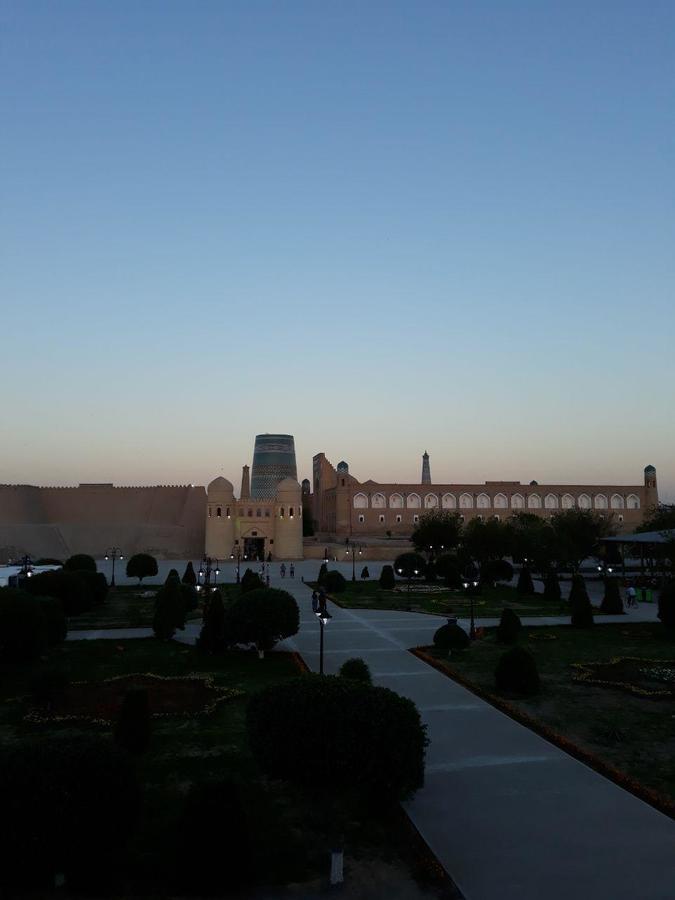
343 506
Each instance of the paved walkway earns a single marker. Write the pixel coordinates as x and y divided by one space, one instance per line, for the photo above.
509 815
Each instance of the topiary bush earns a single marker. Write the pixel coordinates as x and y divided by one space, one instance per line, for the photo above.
552 587
262 617
387 578
212 635
612 602
141 565
449 569
451 637
190 597
410 565
251 581
96 585
516 672
369 739
335 582
172 576
365 573
189 576
80 562
132 728
496 570
68 587
666 611
169 610
509 628
70 805
23 627
57 628
357 670
581 610
323 571
525 584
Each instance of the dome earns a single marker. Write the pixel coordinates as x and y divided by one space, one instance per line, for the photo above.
220 485
650 469
288 486
342 466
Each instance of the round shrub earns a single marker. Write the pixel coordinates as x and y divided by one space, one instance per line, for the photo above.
667 604
96 585
69 805
262 617
552 587
335 582
251 581
509 628
359 737
356 669
612 601
525 584
23 626
516 672
132 728
48 561
68 587
80 562
496 570
141 565
581 610
387 578
451 637
407 564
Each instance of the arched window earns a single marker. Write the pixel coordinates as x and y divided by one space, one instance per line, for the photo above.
483 501
465 501
360 501
551 501
219 512
517 501
378 501
396 501
567 501
500 501
258 513
449 501
281 513
633 501
584 501
617 501
533 501
413 501
431 501
267 513
250 513
600 501
209 512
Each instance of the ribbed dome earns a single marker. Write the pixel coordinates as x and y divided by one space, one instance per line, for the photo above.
220 485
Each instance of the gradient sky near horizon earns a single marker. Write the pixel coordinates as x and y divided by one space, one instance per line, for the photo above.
381 227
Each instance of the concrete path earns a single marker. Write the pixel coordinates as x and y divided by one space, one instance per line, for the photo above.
509 815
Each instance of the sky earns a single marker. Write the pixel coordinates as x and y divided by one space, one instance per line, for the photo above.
382 227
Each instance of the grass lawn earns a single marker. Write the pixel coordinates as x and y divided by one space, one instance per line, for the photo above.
633 733
292 833
369 595
129 607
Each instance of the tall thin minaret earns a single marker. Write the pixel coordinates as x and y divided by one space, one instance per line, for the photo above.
426 471
245 484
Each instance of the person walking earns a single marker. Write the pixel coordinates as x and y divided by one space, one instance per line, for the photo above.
631 596
283 570
315 602
322 601
291 571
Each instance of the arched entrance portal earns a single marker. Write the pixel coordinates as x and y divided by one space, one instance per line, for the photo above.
256 544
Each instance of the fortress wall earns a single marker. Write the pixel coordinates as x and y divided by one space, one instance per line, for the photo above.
20 503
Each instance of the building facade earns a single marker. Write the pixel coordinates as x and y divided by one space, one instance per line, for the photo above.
344 506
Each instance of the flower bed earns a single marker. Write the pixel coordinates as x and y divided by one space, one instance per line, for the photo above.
654 678
100 701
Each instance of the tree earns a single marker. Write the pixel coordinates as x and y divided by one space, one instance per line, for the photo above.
660 517
169 610
437 531
251 581
496 570
486 541
533 539
525 584
356 669
410 565
141 565
189 576
370 740
552 587
80 562
262 617
612 601
578 532
448 567
212 635
387 578
509 628
132 728
580 606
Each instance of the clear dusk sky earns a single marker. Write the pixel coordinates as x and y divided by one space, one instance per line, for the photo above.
382 227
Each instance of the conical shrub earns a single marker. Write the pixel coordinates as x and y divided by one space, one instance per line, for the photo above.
516 672
581 610
508 630
611 601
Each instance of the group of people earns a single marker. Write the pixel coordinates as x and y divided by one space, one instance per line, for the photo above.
319 601
291 570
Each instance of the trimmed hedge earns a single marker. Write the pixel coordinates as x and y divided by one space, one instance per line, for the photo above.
141 565
69 804
509 628
357 670
189 576
251 581
406 564
57 627
262 617
335 582
212 635
68 587
343 734
448 568
387 578
24 630
525 584
612 602
516 672
667 604
80 562
451 637
552 587
581 610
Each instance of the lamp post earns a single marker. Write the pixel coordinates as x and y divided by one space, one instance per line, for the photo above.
470 587
324 618
26 570
415 572
114 553
208 567
353 550
236 554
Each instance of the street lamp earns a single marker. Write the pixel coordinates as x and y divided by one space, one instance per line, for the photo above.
114 554
208 567
26 566
416 572
353 553
236 554
324 618
470 588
